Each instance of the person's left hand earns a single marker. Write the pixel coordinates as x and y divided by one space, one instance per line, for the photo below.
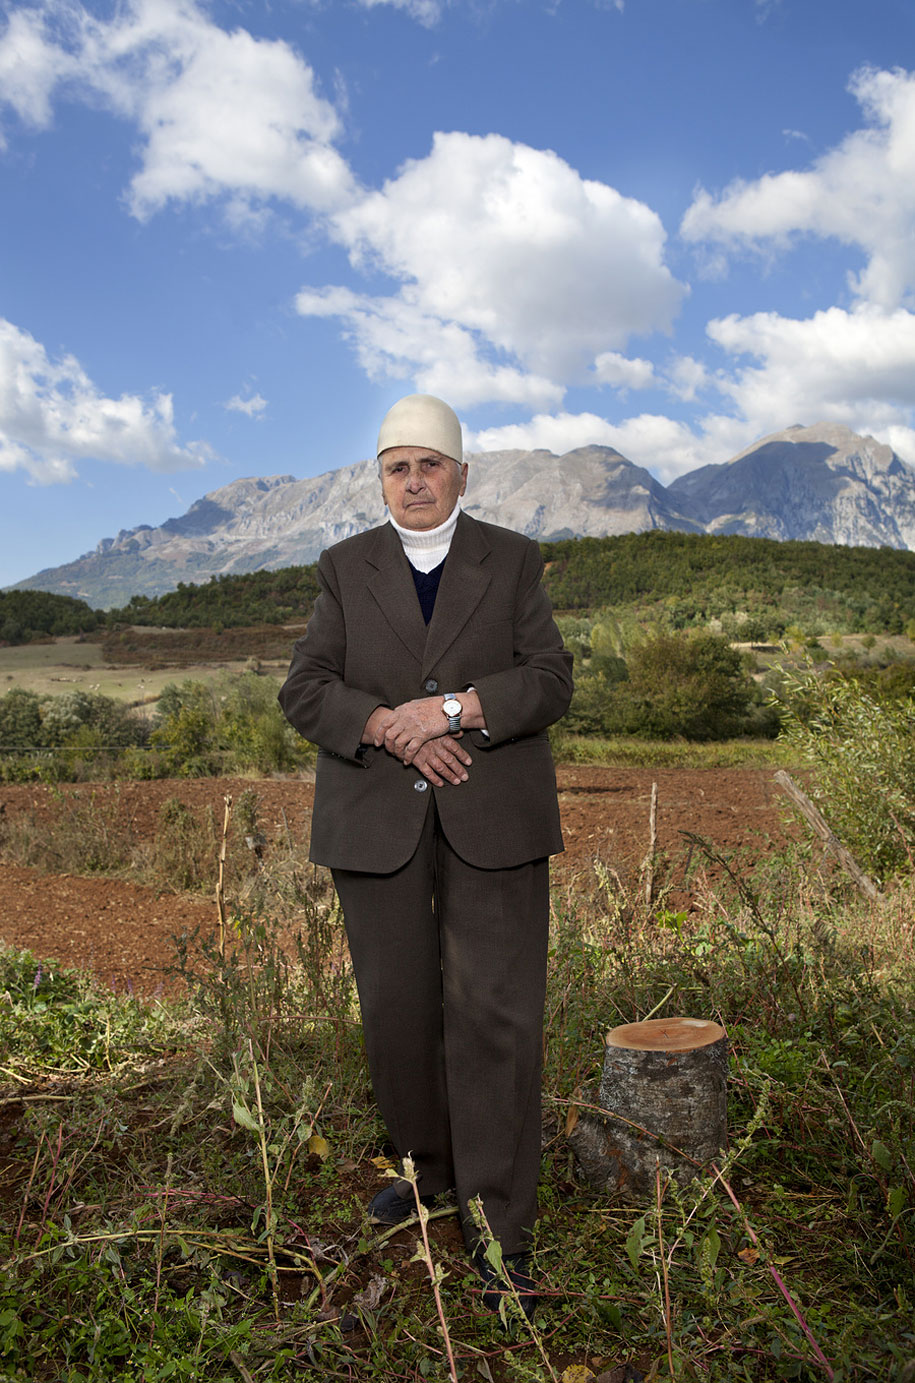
412 724
443 761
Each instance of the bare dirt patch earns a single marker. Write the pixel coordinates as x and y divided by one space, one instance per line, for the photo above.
124 932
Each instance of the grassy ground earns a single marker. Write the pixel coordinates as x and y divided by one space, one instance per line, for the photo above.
181 1186
627 751
64 665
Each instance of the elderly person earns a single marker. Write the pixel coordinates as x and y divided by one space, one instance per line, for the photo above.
429 674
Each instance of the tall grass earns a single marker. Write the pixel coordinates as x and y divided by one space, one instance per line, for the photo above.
183 1185
624 751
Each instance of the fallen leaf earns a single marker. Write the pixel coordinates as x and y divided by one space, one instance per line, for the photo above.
749 1255
577 1373
369 1298
319 1145
384 1164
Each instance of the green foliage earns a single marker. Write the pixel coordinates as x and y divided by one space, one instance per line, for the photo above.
669 685
57 1019
753 586
186 733
204 728
28 615
86 732
692 687
29 721
255 730
257 597
65 718
859 747
20 720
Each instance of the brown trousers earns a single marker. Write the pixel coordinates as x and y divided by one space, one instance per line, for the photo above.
450 964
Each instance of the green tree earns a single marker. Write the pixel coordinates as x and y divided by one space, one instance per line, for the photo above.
20 720
695 687
187 730
254 728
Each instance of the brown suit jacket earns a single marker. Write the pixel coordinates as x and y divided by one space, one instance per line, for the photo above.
367 645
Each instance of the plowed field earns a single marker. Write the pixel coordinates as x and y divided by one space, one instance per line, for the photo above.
124 932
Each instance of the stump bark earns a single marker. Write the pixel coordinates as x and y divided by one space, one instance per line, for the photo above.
663 1098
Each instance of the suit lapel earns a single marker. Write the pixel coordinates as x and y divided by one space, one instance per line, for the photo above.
392 586
463 585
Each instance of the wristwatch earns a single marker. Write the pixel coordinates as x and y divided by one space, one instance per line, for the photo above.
453 710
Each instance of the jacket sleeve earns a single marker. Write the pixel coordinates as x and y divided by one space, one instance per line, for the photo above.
536 690
315 699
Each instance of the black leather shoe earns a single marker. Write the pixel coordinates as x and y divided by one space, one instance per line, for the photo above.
389 1207
495 1290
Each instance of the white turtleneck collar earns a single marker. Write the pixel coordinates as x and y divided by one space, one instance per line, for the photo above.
426 548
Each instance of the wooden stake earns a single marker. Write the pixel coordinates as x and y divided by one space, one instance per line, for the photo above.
220 878
652 844
826 833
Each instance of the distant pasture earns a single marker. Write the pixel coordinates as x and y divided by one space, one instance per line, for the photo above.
71 664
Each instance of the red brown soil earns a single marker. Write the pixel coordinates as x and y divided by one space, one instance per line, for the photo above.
124 932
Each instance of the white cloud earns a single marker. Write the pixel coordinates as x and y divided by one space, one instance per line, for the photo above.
395 339
662 445
901 439
854 367
52 416
428 12
31 67
612 368
508 260
221 114
513 242
861 193
252 407
685 377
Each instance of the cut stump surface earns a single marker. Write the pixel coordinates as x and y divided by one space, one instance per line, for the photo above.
664 1090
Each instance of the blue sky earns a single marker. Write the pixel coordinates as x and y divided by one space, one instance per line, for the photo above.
232 234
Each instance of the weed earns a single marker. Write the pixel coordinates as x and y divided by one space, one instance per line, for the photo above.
182 1186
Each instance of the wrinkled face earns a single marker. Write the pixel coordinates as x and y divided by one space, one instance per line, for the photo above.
420 486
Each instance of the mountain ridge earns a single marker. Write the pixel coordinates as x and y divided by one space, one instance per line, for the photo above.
822 482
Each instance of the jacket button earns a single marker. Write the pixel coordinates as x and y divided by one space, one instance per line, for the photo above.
420 785
431 685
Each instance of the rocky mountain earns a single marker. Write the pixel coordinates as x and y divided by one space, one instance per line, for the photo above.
823 483
278 521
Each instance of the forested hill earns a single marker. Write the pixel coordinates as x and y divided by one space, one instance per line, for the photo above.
680 579
687 578
28 615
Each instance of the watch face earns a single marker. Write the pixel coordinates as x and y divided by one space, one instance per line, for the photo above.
452 707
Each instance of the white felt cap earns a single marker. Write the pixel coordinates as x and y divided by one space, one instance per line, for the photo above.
420 420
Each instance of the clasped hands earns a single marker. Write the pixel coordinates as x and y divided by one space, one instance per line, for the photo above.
416 733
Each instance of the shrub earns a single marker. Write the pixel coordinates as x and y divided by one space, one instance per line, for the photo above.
860 748
671 685
235 727
20 720
255 729
695 687
186 733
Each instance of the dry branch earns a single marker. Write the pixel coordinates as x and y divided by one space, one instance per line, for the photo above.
826 833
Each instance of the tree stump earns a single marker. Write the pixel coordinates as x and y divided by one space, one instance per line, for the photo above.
664 1090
